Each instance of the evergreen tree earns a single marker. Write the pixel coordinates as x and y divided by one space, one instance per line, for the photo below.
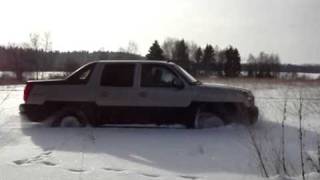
155 52
220 61
198 55
252 66
208 55
181 52
232 67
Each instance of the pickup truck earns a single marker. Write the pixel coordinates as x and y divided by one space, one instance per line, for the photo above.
135 92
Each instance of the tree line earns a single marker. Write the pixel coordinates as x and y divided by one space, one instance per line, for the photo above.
224 62
37 56
20 60
264 65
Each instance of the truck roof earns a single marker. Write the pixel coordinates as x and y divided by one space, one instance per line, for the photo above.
134 61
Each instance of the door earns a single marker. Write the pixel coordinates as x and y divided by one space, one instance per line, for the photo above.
117 92
157 90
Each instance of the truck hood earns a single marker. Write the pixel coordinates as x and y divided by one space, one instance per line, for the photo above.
223 87
221 93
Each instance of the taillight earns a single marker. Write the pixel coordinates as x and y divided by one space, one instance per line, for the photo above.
27 91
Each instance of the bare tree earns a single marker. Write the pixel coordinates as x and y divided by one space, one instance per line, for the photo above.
193 47
47 46
34 40
122 50
264 65
168 47
26 45
132 47
35 44
47 43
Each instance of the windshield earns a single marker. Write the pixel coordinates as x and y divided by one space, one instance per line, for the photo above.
187 76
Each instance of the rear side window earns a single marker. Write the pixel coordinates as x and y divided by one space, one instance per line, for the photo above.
82 75
118 75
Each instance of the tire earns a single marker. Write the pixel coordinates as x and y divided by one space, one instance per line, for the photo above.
253 114
69 117
248 115
203 119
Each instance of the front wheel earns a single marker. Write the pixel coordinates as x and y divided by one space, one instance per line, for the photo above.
203 119
253 113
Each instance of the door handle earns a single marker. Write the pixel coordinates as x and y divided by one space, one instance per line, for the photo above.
143 94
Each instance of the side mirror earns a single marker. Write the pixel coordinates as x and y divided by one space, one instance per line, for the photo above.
177 83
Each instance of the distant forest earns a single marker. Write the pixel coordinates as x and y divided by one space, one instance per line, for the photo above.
37 56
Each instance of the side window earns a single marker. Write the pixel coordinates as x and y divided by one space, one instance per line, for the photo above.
82 75
85 75
118 75
156 76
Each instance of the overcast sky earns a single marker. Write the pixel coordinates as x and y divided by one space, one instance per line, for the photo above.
289 28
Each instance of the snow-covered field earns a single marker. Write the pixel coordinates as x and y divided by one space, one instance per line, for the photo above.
33 151
33 75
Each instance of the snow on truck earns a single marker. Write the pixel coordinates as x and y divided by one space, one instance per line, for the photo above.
135 92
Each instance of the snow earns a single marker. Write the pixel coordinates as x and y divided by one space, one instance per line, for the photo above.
33 151
33 75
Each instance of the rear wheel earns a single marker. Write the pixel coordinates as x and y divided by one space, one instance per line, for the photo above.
69 117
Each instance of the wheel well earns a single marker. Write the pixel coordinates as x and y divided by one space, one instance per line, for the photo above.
214 106
88 108
224 110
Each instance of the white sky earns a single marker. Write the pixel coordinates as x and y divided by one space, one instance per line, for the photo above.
288 27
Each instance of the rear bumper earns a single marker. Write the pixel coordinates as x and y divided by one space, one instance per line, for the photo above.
33 112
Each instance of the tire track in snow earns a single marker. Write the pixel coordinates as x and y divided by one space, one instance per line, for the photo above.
47 155
58 146
3 108
189 177
8 134
113 169
10 90
41 158
80 169
5 98
8 138
77 171
3 125
82 160
150 175
86 134
283 98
